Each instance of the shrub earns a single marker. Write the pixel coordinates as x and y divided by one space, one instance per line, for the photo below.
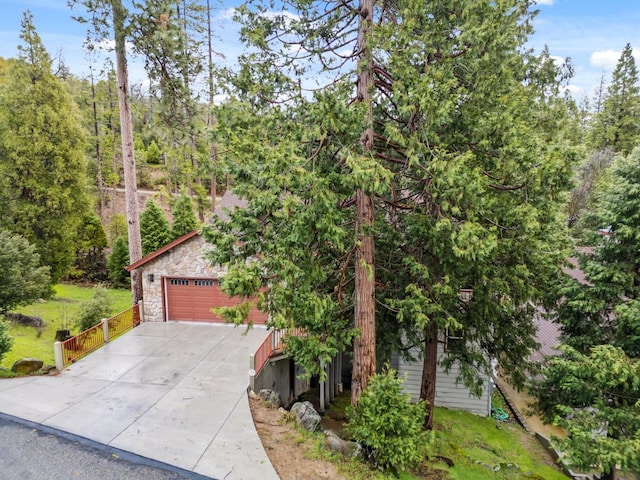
6 341
94 310
386 422
119 259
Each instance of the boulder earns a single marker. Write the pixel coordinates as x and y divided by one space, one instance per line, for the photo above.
345 447
270 397
306 415
26 366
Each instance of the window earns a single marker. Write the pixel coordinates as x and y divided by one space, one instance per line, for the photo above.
179 281
203 283
453 339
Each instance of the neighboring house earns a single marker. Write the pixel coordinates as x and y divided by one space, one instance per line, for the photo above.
449 393
455 395
179 283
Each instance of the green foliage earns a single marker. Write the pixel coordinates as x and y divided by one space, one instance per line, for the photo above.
184 217
154 228
42 146
386 421
117 228
6 341
604 309
596 398
153 153
23 279
92 240
92 312
469 174
119 259
588 181
616 126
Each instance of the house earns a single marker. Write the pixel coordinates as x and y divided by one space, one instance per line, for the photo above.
178 283
449 392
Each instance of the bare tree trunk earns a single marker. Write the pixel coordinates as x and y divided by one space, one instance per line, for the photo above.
211 118
364 347
128 159
429 372
96 132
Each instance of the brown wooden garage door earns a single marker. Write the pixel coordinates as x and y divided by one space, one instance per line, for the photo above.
192 299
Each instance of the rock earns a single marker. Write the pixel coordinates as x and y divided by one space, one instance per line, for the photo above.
48 370
345 447
306 415
26 366
27 320
270 397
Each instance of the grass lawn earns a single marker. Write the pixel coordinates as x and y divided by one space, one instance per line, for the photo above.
476 444
58 313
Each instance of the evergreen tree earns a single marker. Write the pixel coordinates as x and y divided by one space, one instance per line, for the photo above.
22 278
41 156
119 259
184 217
461 153
617 126
605 308
117 227
154 228
92 240
595 398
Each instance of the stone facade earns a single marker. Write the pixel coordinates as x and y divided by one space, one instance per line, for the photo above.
185 260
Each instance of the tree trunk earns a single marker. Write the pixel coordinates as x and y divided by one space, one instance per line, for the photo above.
96 132
211 118
364 347
128 159
611 475
429 372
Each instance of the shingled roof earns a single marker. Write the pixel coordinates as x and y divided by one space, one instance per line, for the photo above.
227 203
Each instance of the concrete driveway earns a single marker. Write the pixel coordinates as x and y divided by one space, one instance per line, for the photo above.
172 392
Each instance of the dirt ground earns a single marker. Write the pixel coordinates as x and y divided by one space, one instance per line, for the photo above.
290 454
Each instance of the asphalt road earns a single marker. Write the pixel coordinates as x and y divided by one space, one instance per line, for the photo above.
31 452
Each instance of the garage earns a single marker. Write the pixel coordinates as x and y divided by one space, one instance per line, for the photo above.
191 299
179 283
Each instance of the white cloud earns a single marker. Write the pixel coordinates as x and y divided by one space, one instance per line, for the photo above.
226 14
604 58
576 91
545 2
557 59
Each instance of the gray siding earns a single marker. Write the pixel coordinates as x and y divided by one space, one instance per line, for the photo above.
448 393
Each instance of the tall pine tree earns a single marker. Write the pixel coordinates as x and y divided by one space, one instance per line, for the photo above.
184 217
154 228
451 163
617 126
42 147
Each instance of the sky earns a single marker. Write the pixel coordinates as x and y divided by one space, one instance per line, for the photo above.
591 32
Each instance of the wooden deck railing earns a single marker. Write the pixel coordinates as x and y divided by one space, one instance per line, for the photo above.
272 345
90 340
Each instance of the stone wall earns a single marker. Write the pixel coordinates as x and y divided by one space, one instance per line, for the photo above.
185 260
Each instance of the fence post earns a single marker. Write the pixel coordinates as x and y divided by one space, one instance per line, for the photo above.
141 310
57 354
105 329
252 372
